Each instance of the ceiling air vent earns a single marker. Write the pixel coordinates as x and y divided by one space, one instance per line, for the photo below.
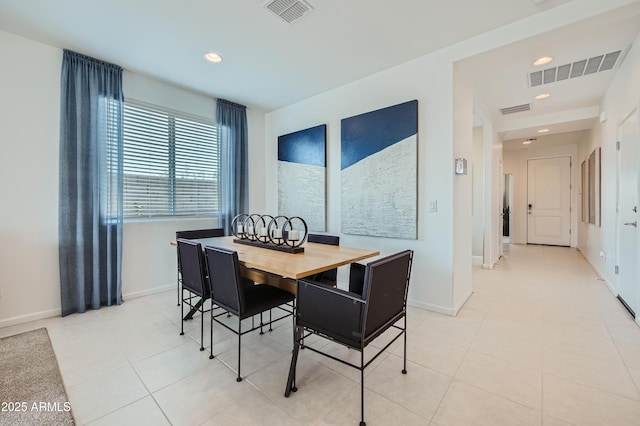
576 69
289 10
517 108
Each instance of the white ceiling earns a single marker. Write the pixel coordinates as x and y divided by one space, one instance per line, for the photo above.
269 64
500 77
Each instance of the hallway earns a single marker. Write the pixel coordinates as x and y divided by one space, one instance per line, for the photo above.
552 335
542 341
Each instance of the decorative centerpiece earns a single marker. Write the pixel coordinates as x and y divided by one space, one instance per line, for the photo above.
276 233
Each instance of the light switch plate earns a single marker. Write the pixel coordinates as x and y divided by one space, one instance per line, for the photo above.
433 206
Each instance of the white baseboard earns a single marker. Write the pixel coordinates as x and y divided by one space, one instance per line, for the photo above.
611 288
437 308
431 307
149 292
462 302
21 319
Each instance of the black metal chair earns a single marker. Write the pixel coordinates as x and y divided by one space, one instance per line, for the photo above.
194 280
192 235
329 277
239 296
351 319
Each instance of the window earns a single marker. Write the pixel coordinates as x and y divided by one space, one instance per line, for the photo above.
171 164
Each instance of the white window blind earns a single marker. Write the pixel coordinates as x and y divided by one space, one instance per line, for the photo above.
171 164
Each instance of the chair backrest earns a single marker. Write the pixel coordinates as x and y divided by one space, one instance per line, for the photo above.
332 240
224 279
386 282
193 267
192 234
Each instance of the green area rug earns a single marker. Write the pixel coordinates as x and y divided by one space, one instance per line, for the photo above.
31 389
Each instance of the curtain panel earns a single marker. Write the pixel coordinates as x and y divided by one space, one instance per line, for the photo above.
90 201
231 119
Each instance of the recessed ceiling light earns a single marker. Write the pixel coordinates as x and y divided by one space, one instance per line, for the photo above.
543 130
213 57
528 141
543 96
542 61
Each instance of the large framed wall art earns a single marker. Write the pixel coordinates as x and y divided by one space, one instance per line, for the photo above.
302 176
379 172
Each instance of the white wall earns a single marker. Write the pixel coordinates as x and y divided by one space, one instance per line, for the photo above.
30 111
493 189
477 175
430 81
621 97
462 189
29 107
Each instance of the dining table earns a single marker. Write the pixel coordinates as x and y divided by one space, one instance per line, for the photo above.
281 269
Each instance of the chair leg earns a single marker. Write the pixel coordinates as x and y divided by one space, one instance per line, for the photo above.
202 328
178 278
362 422
211 335
239 378
261 322
182 315
270 321
404 370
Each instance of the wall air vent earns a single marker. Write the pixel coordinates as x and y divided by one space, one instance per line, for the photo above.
517 108
289 10
579 68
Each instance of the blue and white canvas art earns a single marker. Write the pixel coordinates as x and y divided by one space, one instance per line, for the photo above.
302 176
379 172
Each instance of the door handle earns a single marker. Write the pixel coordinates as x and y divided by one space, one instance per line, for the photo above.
634 224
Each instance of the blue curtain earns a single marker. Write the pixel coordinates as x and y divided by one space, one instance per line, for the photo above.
90 204
231 119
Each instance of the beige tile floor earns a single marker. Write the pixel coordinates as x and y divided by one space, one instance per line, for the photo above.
542 341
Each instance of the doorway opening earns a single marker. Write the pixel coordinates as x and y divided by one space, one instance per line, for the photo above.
507 203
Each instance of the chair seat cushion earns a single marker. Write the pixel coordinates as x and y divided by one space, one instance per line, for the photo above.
262 297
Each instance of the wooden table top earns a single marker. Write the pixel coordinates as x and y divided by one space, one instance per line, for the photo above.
315 258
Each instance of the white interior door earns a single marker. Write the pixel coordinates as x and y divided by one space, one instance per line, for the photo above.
627 241
549 201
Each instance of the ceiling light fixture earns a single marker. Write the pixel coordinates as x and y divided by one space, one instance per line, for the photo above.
213 57
542 61
543 130
543 96
528 141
